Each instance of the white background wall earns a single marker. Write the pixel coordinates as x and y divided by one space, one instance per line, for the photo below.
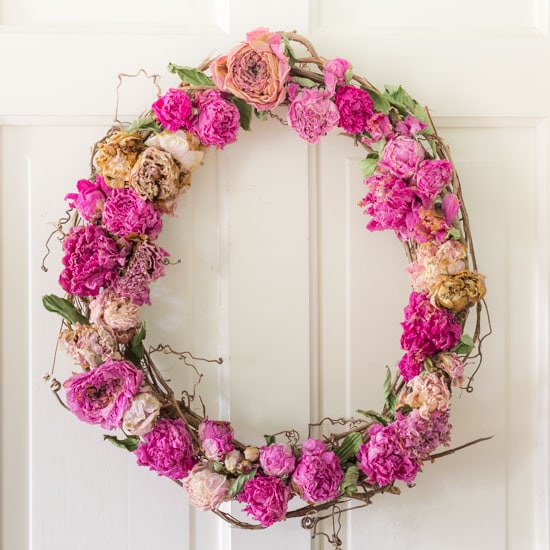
278 275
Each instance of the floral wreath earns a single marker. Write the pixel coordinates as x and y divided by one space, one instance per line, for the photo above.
111 257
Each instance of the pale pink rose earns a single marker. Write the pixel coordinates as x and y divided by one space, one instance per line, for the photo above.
401 156
427 393
140 418
205 488
255 70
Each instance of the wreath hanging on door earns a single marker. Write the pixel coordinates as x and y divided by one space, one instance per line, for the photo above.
111 257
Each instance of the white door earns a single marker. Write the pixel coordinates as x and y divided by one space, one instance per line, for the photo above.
277 274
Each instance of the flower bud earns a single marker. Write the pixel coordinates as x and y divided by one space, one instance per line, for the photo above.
252 454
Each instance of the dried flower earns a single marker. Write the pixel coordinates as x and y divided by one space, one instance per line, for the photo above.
378 126
425 224
277 459
185 148
89 199
102 395
401 156
410 126
140 418
255 70
452 365
335 73
167 449
459 291
173 110
431 177
216 438
427 393
312 114
232 460
157 178
266 499
355 108
205 488
116 156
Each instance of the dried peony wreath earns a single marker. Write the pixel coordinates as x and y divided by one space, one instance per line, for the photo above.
139 171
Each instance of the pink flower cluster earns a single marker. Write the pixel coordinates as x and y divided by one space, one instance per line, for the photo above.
216 438
266 499
277 459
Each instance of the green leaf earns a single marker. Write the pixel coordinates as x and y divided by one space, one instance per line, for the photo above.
269 439
465 346
261 115
130 443
304 82
245 112
454 234
380 103
217 466
238 484
376 417
190 75
136 345
349 447
145 124
368 165
390 398
289 51
349 483
404 103
65 308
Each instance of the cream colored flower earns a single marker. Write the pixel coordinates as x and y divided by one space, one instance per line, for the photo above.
427 393
183 146
459 291
140 418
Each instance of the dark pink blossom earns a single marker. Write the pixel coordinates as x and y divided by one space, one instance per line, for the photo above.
312 114
401 156
318 475
410 126
277 459
425 224
89 199
431 177
103 394
216 438
266 499
335 72
126 212
167 449
379 126
355 108
411 364
450 206
173 110
92 260
217 121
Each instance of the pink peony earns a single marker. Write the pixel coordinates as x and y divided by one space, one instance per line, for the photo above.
401 156
205 488
173 110
92 260
318 475
255 70
335 73
312 114
266 499
216 438
452 365
411 364
277 459
410 126
217 121
431 177
427 329
144 266
383 459
425 224
450 206
167 449
379 126
89 199
427 393
126 212
102 395
355 108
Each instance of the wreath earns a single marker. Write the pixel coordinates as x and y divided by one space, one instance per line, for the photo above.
111 257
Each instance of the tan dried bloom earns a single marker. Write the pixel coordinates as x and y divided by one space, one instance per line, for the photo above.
427 393
157 177
116 156
458 292
186 148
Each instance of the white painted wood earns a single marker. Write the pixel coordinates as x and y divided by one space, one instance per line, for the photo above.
277 274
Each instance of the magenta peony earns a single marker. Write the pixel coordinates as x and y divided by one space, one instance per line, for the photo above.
431 177
205 488
167 449
126 212
255 70
266 499
277 459
450 206
102 395
401 156
318 475
144 266
355 108
312 114
216 438
217 121
410 126
173 110
383 459
89 199
411 364
335 73
378 126
92 260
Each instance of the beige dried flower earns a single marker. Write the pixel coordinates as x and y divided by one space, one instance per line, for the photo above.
116 156
458 292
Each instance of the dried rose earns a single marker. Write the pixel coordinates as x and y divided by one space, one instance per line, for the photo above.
140 418
427 392
186 148
157 178
266 499
401 156
452 365
90 198
205 488
458 292
255 70
173 110
116 156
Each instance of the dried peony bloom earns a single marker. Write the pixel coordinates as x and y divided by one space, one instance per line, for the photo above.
205 488
427 393
458 292
266 499
116 156
157 178
140 418
452 365
186 148
89 345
